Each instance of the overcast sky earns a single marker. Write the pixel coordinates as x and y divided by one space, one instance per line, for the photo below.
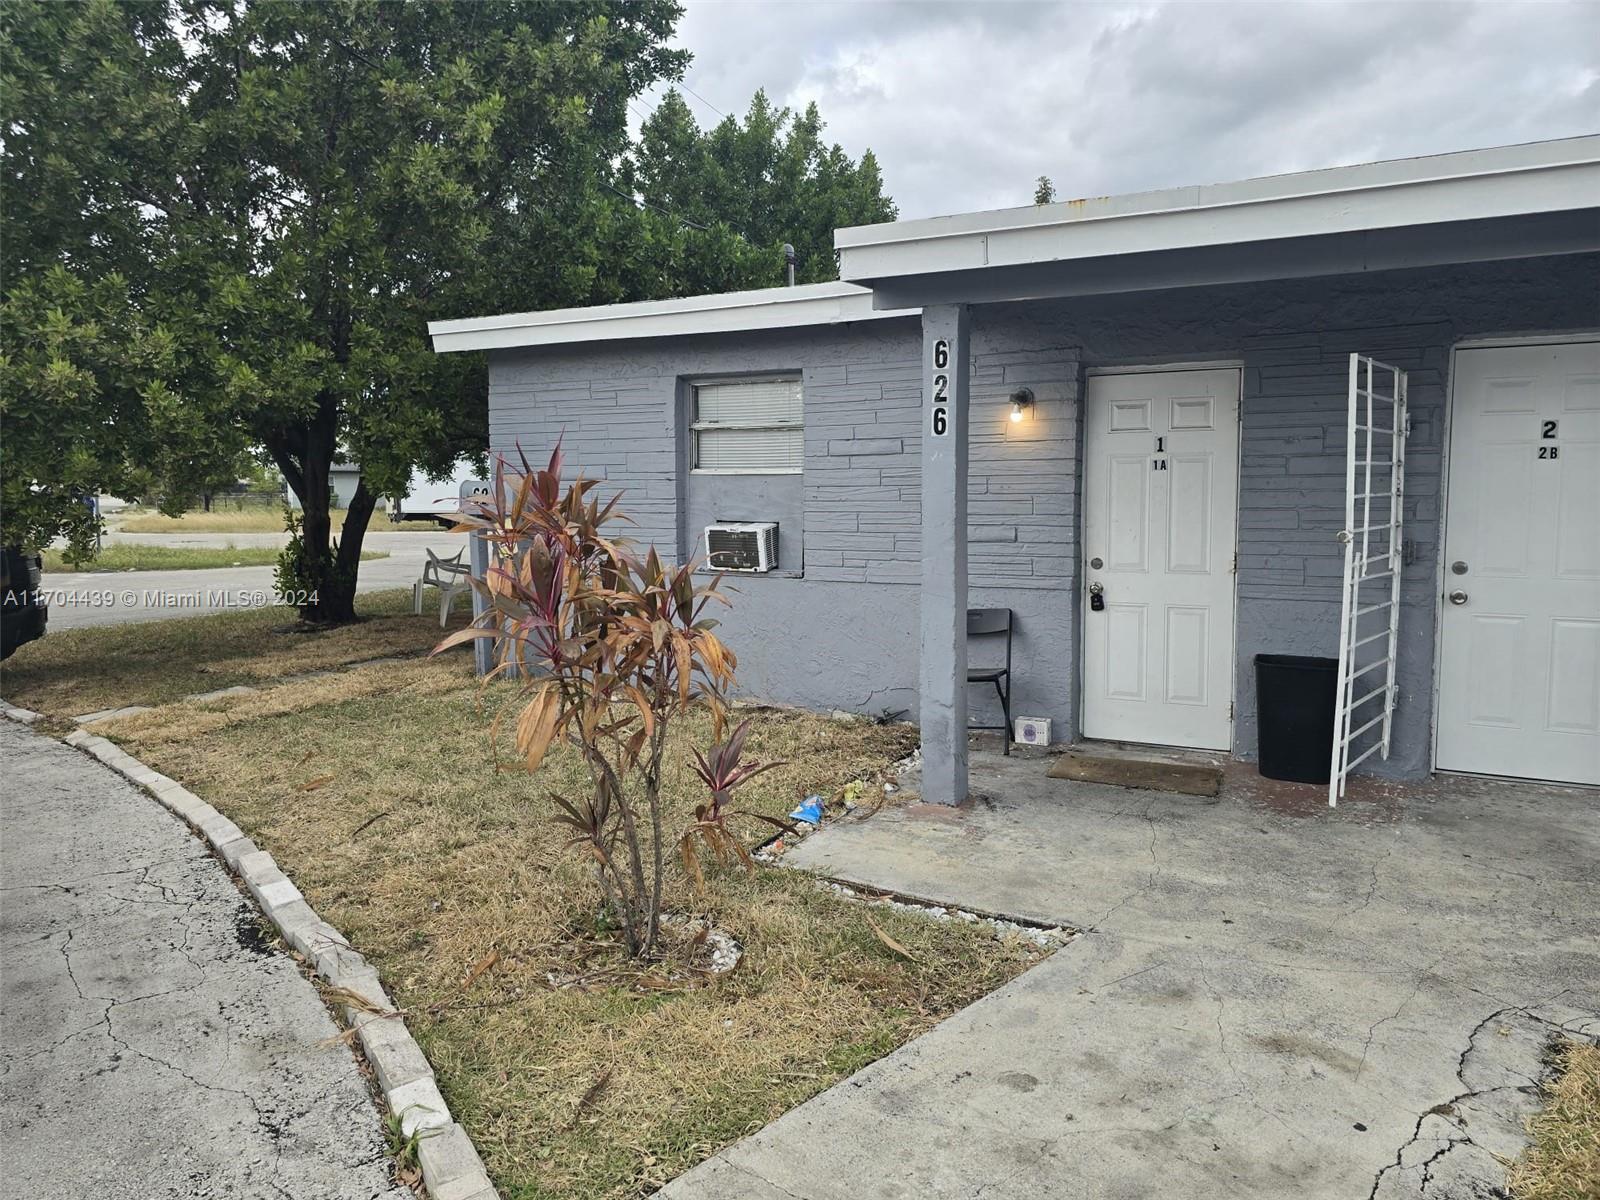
966 104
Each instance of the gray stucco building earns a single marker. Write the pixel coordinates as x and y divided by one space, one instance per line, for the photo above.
1185 456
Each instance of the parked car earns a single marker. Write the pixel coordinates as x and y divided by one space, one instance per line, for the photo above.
23 611
434 499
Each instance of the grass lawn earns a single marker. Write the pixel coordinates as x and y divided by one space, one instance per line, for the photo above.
375 790
1564 1161
85 670
264 519
130 556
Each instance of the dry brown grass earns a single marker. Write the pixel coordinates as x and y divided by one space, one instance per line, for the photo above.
264 518
1564 1161
77 671
429 861
117 557
261 519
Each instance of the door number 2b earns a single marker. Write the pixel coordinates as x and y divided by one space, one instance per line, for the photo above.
1547 432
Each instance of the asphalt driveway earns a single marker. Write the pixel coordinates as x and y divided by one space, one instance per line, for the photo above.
1270 1000
152 1043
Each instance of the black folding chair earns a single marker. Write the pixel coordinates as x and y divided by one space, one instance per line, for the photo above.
982 622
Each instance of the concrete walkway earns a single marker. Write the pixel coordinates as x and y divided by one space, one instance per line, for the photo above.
1268 1005
152 1045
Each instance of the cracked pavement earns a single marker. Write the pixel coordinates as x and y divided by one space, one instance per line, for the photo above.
153 1044
1348 1004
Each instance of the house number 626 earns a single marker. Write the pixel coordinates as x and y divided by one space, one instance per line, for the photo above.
941 387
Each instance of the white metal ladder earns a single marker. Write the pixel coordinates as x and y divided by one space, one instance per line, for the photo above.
1369 607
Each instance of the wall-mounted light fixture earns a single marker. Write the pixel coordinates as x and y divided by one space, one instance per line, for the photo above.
1021 402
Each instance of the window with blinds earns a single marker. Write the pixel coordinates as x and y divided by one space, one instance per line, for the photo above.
752 426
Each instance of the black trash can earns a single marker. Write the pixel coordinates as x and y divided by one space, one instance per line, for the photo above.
1294 715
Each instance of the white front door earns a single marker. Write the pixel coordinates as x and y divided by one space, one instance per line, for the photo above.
1519 668
1161 468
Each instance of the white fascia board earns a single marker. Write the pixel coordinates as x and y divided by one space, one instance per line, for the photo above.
1505 181
729 312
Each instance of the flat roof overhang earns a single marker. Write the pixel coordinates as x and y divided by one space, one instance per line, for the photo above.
1509 202
726 312
1287 258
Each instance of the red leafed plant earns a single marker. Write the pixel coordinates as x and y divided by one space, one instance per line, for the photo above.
610 647
723 770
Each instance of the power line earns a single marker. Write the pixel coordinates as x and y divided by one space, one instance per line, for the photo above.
704 101
639 202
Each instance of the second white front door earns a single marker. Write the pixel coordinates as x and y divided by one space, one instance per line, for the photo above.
1519 667
1161 459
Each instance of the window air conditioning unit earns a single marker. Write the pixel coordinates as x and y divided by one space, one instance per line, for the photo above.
750 546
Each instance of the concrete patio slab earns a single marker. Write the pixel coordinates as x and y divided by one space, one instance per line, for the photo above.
1333 1004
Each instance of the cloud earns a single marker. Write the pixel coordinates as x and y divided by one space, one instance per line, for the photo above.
966 104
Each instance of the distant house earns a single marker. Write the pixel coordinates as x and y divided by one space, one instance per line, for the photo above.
343 478
1199 470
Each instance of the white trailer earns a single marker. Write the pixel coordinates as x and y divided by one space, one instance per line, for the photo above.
434 499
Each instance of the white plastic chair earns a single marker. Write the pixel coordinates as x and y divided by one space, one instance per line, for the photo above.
449 575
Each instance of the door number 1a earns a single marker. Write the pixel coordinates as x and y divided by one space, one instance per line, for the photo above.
941 387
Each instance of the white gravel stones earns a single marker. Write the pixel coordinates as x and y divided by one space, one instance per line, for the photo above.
1046 937
725 951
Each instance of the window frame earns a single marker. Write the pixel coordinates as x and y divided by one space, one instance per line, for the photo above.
697 426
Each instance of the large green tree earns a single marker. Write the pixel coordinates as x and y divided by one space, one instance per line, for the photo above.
93 381
88 404
229 222
720 203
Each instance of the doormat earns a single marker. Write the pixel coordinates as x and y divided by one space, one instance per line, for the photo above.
1187 779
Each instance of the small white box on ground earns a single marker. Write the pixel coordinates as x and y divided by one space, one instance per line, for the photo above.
1032 731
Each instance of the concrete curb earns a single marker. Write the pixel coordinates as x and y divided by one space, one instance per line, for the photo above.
451 1167
23 716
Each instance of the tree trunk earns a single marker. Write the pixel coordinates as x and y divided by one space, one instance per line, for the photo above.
328 573
316 527
347 563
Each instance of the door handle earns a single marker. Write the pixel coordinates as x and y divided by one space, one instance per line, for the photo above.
1458 597
1097 597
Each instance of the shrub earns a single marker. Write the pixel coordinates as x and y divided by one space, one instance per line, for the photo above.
610 647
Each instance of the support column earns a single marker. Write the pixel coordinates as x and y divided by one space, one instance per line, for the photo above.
946 370
482 649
